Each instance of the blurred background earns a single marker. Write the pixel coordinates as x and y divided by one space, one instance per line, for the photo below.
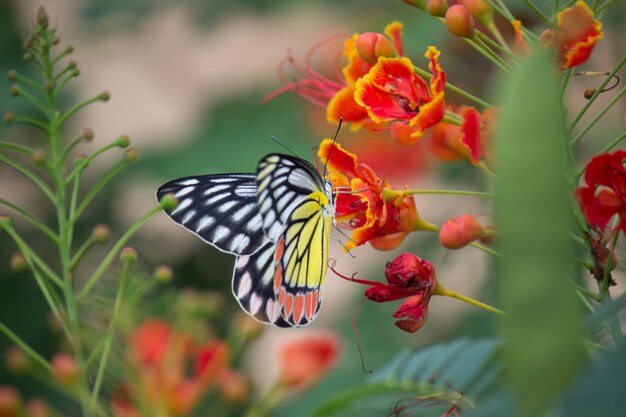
187 79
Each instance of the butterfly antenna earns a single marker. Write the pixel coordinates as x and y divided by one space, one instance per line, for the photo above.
333 145
275 139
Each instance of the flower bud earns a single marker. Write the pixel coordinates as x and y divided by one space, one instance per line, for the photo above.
437 7
81 159
14 90
459 21
306 360
104 96
129 255
10 401
27 57
460 231
12 75
131 155
86 134
123 141
480 10
38 157
9 117
37 407
42 17
17 262
48 86
169 202
15 360
234 387
163 273
5 221
64 369
101 233
370 46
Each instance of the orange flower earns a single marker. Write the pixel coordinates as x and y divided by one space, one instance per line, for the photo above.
160 355
364 209
392 92
307 359
576 34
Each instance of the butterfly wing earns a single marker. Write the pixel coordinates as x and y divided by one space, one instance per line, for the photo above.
283 182
221 209
252 285
301 261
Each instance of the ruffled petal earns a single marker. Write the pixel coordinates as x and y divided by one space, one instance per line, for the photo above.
342 105
429 115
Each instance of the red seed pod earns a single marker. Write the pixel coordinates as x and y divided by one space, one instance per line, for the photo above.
459 21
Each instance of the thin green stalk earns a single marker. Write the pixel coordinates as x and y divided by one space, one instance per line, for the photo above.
82 250
267 403
389 194
95 189
500 45
568 76
32 99
539 12
555 10
603 8
598 116
93 279
483 167
596 94
61 85
31 121
29 351
488 53
67 51
485 249
76 108
614 143
21 79
27 251
593 295
439 290
110 333
28 174
454 89
90 158
32 220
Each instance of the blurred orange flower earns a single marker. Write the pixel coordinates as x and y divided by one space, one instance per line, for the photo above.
159 356
306 360
576 34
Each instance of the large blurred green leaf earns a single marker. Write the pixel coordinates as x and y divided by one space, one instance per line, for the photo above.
543 331
429 381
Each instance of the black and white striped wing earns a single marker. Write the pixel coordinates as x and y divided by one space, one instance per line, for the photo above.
253 288
283 181
221 209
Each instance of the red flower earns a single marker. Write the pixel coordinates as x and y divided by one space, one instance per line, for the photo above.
410 277
306 360
576 34
159 356
392 92
604 194
468 141
365 210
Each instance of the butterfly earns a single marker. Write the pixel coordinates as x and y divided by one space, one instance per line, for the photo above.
276 221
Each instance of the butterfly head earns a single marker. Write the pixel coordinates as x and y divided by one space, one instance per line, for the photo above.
329 210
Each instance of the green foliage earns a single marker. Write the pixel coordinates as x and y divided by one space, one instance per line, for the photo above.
431 380
543 331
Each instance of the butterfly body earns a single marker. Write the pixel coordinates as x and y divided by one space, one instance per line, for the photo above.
277 221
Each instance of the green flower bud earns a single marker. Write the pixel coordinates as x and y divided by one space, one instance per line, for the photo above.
129 255
169 202
101 233
163 273
38 157
12 75
131 155
17 262
9 117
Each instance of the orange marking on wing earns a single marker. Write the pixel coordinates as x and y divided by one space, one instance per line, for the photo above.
298 308
281 297
278 278
309 306
314 300
280 249
288 305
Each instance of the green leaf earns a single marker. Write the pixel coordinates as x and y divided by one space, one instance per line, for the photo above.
543 331
429 381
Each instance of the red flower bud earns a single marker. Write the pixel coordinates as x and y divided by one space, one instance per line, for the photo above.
459 21
64 368
38 407
10 401
460 231
437 7
307 359
15 360
370 46
480 10
410 271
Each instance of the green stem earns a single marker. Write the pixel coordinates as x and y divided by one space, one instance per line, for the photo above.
76 108
568 76
115 144
32 220
539 12
501 8
84 248
60 86
453 88
598 116
389 194
607 148
28 174
485 249
266 403
31 121
480 47
602 8
21 79
95 189
484 168
110 333
440 290
501 45
25 347
597 93
93 279
32 99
